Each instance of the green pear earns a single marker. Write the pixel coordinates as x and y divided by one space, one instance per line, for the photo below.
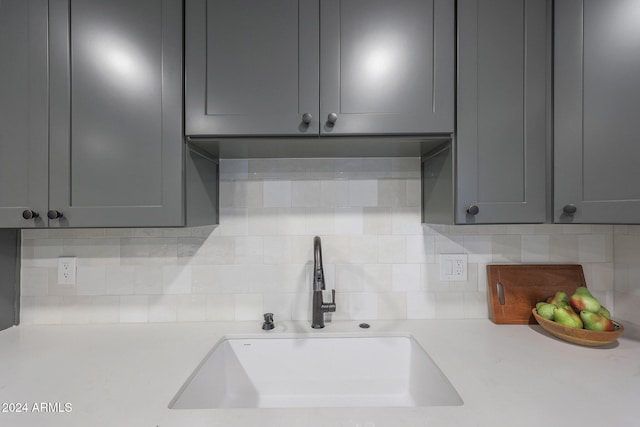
583 300
567 317
596 322
604 312
582 290
545 310
559 299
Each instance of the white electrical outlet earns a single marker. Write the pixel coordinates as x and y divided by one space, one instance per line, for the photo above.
67 271
453 267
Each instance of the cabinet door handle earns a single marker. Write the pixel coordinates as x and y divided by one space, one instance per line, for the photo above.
53 214
29 214
473 210
569 209
306 118
332 118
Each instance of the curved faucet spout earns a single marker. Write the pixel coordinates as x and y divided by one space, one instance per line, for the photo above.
318 272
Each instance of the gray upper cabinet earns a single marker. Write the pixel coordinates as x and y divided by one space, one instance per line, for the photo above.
504 100
387 66
91 117
305 67
23 113
116 112
503 118
597 106
251 67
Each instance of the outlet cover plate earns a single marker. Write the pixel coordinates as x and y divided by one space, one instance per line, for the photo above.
67 271
453 267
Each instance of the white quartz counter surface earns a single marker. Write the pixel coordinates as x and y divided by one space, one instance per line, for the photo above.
126 375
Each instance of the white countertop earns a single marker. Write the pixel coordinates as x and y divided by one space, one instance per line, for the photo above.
126 375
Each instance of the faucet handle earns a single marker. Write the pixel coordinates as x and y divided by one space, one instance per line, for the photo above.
326 294
329 306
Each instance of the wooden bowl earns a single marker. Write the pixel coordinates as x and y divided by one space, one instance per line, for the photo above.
579 336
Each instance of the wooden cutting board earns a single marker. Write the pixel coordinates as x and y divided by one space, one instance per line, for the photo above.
514 289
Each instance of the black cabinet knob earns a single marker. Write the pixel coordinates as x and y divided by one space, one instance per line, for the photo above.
569 209
29 214
53 214
473 210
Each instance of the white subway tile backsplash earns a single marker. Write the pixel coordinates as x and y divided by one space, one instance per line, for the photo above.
249 306
241 194
277 194
475 305
563 248
306 194
41 252
262 221
405 277
320 221
405 221
535 249
405 168
235 220
119 280
350 277
392 193
479 248
191 250
392 249
219 250
506 248
592 248
363 192
376 221
378 278
76 309
421 305
449 305
105 309
449 244
363 306
278 303
134 309
420 248
291 221
334 193
392 305
363 249
147 280
163 308
192 308
234 169
93 251
35 281
381 260
176 279
91 281
247 250
221 307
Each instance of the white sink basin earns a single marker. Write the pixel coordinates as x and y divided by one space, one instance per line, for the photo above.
316 372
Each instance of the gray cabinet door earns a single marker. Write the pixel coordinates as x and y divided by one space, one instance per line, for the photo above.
116 146
597 106
252 67
23 112
387 67
503 110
